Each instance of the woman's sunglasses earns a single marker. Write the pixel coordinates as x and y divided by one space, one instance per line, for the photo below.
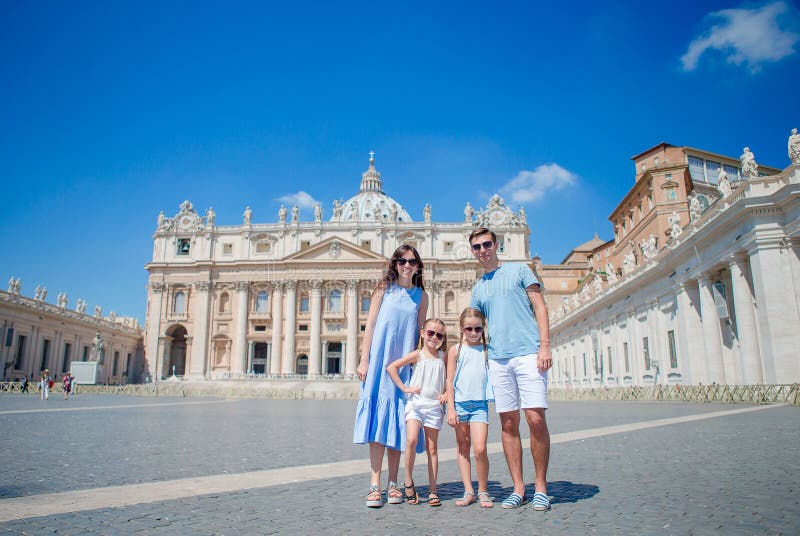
485 245
402 261
470 329
431 333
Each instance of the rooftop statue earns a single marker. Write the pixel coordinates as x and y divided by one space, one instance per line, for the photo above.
247 216
748 163
794 147
282 214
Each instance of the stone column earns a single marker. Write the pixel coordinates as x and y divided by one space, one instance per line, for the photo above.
239 355
778 309
152 351
315 303
746 332
351 357
290 316
251 346
434 294
277 324
159 360
324 367
689 336
711 332
200 329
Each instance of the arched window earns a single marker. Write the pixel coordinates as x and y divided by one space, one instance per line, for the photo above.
261 301
179 303
224 302
335 301
449 302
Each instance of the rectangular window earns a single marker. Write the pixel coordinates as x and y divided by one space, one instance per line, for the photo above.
646 353
304 304
67 352
673 352
45 353
85 354
115 364
365 304
184 245
712 171
697 169
610 362
335 301
363 328
733 173
227 249
302 327
20 355
627 359
501 244
9 336
260 328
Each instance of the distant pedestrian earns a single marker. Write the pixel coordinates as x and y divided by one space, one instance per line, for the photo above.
66 383
44 385
73 385
397 309
23 388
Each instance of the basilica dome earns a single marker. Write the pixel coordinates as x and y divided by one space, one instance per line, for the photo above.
370 203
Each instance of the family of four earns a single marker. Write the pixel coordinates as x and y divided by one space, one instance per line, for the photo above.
400 410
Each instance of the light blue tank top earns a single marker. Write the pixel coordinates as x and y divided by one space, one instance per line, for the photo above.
471 375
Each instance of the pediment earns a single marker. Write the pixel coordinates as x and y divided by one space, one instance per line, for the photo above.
335 249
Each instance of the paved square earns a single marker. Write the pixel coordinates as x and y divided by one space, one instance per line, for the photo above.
127 465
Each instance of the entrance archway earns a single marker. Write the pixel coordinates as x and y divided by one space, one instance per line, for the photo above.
333 363
177 352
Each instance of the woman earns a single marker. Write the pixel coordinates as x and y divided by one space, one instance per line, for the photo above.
397 311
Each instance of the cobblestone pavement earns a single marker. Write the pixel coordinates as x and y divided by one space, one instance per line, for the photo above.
736 473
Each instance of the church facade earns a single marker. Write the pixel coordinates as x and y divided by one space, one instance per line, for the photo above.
291 297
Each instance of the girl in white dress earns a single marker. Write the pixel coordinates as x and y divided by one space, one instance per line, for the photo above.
425 394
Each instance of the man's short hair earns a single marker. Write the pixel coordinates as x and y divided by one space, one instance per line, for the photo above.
481 231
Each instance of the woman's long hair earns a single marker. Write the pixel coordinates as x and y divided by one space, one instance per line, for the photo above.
391 275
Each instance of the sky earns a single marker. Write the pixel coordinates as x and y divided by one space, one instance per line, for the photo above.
114 111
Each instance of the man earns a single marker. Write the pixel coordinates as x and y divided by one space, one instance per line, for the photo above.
510 297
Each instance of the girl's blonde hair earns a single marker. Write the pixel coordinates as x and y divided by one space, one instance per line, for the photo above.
421 342
469 312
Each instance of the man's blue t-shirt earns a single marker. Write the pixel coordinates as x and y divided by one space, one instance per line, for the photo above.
501 296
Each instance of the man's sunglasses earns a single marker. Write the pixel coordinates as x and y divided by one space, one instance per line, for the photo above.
470 329
485 245
402 261
431 333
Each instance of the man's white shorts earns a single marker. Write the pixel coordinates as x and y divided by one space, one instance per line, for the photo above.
517 383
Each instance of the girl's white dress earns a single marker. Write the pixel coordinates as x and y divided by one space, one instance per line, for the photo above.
429 375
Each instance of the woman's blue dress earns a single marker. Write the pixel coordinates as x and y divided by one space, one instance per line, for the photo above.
380 415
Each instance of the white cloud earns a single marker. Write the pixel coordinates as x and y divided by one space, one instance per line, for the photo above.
745 36
301 199
530 186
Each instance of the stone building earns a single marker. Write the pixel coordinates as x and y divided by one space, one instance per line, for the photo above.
699 284
38 335
291 296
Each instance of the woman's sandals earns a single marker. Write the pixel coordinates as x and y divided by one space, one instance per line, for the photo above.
434 500
467 499
485 499
411 498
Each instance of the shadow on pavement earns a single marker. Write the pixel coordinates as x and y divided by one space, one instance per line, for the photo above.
562 491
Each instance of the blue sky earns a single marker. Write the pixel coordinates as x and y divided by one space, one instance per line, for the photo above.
114 111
